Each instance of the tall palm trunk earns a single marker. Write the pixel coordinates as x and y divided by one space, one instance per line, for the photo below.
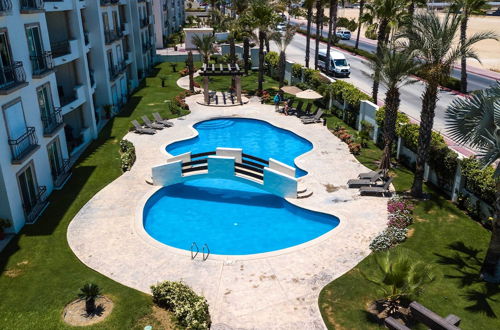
332 22
391 114
319 20
361 7
190 70
381 37
463 60
281 68
425 133
490 270
268 46
232 59
262 37
246 54
308 36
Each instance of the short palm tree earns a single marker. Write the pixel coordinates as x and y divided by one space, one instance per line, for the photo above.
190 67
332 26
309 4
265 18
389 14
395 67
205 44
282 41
90 292
476 121
466 8
433 41
399 276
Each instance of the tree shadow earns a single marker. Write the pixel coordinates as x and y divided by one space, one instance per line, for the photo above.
482 298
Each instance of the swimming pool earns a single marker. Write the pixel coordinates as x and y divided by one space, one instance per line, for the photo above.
256 137
231 217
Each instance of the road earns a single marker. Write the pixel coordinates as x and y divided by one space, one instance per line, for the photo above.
411 102
475 81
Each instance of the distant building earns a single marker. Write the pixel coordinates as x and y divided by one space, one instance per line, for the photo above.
66 66
169 18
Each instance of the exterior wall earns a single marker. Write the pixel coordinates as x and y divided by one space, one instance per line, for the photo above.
189 33
81 83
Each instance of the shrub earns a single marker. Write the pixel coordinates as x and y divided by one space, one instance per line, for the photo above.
354 148
272 59
127 155
388 238
371 32
190 309
296 70
184 72
400 212
478 180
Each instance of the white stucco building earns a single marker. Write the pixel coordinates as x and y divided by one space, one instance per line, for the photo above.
62 63
169 16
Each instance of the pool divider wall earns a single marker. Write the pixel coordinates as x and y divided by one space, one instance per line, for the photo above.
221 167
185 157
167 174
279 184
230 152
280 167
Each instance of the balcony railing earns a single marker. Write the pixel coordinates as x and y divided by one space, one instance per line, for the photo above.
35 207
116 70
92 79
52 121
11 76
105 2
31 5
66 99
61 173
5 7
86 37
23 145
111 36
146 46
60 48
144 22
41 64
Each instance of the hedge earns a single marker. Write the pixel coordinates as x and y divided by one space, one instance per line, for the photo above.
479 180
127 155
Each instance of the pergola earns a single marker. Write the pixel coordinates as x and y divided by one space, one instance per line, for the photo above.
232 70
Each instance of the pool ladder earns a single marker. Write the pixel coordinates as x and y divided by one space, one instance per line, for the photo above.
205 251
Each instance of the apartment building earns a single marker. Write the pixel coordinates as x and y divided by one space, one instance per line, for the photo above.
169 16
66 67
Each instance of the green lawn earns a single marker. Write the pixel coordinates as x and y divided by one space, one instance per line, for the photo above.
39 272
248 83
443 236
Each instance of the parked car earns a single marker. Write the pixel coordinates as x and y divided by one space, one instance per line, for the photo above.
281 27
344 34
339 67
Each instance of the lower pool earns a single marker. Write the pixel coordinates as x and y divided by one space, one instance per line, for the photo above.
231 217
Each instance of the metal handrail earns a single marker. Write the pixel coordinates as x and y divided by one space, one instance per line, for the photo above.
197 250
60 48
33 209
205 257
42 63
23 144
31 4
52 121
5 6
12 74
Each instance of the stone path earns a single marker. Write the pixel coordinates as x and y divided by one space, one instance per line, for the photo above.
277 290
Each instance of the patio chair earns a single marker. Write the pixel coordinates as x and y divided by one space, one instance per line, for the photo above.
140 130
315 119
306 111
297 109
150 124
358 183
159 120
310 115
377 190
369 175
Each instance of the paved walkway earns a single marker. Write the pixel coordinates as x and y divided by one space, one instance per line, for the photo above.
278 290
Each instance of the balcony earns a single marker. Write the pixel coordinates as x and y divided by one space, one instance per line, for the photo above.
12 77
147 45
144 22
31 6
61 174
36 206
116 70
23 146
92 79
5 7
52 122
64 51
72 100
58 5
111 36
86 38
60 48
41 65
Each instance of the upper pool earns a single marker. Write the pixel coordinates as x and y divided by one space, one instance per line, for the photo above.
257 138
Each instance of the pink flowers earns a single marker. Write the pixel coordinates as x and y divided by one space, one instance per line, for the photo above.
400 212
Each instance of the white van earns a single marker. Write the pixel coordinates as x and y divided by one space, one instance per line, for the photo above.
338 63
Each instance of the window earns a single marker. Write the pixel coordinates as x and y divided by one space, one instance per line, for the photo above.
28 187
7 73
45 100
14 120
55 158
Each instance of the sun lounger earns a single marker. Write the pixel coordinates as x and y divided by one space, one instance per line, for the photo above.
315 119
160 120
358 183
378 190
306 112
297 109
369 175
140 130
150 124
310 115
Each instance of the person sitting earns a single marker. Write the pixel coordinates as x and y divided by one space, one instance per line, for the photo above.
285 108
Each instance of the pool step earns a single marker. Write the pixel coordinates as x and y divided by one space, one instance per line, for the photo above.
304 193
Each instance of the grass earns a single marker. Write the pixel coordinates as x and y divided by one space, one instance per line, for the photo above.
443 236
248 83
39 272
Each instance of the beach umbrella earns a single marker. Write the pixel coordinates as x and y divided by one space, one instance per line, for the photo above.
293 90
309 94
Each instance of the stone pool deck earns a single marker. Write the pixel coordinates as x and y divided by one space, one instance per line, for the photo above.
278 290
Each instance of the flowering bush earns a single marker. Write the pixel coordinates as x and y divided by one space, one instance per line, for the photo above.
388 238
190 309
400 212
184 72
355 148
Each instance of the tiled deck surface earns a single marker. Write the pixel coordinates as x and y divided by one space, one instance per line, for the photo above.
275 291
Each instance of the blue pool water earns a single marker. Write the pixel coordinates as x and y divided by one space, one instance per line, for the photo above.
257 138
232 217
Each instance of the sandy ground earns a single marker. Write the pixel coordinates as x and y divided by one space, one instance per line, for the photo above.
489 50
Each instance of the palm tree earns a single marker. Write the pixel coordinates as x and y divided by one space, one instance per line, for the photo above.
332 22
476 121
466 8
389 14
309 5
361 7
89 292
246 25
319 23
282 41
205 44
433 41
395 67
190 66
264 17
398 276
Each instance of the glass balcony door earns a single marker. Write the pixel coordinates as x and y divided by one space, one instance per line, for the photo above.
7 72
35 47
28 188
55 159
